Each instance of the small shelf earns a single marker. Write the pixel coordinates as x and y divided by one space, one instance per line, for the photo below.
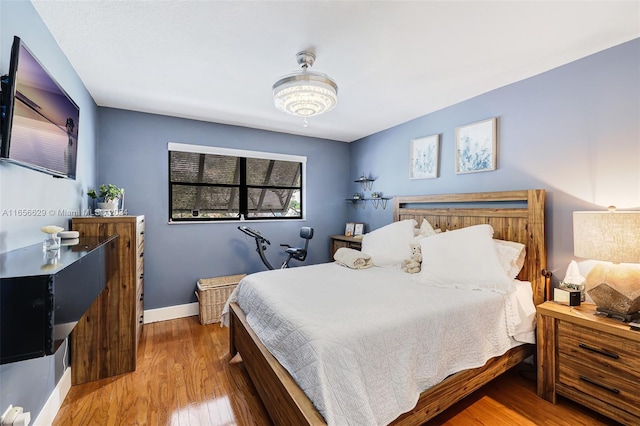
375 202
366 182
376 199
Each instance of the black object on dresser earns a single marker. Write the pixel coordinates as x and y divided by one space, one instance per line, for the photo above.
44 294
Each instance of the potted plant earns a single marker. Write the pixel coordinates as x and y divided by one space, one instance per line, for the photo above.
109 196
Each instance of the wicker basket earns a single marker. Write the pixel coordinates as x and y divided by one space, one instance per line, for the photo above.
213 294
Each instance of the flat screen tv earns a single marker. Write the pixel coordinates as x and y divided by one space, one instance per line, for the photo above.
39 119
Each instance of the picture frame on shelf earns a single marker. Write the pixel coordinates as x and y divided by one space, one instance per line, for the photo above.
349 229
358 230
424 156
476 146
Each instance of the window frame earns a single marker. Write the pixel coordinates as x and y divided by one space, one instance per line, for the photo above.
239 153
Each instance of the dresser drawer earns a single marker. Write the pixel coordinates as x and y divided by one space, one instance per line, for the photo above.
139 270
140 233
613 355
140 260
140 313
140 288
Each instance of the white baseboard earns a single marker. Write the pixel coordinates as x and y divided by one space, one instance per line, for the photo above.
171 312
54 402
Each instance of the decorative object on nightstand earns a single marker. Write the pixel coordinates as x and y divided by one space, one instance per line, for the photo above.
573 281
611 236
348 229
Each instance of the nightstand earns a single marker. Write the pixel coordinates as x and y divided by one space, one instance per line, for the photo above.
592 360
338 241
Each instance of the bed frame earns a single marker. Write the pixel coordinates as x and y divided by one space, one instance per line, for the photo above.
514 215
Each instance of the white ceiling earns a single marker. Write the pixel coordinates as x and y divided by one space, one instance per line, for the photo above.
393 61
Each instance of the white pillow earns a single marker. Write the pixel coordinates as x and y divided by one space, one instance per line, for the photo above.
464 258
511 256
425 230
390 245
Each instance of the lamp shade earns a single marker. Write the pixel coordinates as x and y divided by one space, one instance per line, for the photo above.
610 236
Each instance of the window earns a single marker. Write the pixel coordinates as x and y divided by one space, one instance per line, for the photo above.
208 184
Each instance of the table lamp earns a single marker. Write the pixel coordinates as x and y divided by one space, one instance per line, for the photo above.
611 236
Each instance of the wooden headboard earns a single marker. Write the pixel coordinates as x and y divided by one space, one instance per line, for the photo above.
524 222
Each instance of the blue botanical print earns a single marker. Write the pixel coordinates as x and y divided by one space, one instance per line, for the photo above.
474 155
424 162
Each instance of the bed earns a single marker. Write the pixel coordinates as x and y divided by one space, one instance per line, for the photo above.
513 215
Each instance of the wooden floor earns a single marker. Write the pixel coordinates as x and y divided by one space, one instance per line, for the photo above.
185 377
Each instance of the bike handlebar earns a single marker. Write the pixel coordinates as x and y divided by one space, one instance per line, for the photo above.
253 233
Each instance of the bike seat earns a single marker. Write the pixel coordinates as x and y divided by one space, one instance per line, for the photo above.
300 253
297 253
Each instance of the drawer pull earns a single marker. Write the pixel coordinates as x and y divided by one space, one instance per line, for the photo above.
141 254
599 351
141 232
600 385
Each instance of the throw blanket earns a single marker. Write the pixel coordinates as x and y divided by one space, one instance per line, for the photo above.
363 344
353 259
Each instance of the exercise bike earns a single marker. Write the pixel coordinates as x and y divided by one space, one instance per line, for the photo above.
297 253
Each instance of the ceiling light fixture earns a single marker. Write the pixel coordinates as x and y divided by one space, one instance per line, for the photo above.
305 93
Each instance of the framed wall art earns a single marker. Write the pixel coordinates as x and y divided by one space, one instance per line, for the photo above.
424 157
349 229
476 147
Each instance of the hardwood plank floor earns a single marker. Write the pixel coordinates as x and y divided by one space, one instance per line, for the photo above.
185 378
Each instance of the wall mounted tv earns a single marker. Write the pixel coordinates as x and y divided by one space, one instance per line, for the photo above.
39 119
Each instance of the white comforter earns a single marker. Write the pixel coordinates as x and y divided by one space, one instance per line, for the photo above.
363 344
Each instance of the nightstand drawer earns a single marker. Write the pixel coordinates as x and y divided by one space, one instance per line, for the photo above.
616 356
592 360
339 241
340 244
618 391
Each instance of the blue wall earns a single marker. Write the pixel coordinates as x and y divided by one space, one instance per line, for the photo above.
29 383
574 131
21 188
133 155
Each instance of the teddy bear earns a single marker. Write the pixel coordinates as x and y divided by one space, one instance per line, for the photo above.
412 265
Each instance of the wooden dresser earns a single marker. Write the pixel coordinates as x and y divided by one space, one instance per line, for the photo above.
592 360
338 241
105 341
